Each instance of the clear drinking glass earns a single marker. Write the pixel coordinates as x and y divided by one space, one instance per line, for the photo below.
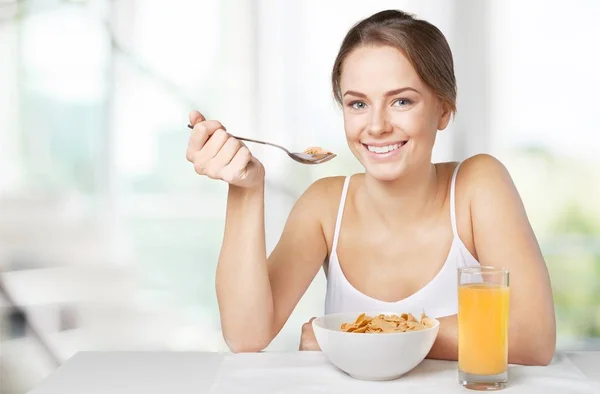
483 302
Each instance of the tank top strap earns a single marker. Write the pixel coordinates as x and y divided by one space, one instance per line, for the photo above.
453 201
338 221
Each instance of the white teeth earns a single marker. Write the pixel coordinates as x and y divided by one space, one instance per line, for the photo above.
384 149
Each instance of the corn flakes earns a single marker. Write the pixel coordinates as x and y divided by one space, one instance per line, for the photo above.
388 323
316 150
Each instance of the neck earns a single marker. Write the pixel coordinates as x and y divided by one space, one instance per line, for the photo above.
410 197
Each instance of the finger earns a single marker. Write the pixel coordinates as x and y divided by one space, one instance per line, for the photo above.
201 133
207 127
227 152
201 158
213 145
308 344
210 125
311 346
308 324
237 165
216 166
196 117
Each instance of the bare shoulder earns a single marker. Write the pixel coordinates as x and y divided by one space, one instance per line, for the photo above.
483 174
489 189
322 199
324 190
328 184
486 199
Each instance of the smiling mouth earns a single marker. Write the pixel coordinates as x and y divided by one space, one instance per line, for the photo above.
385 148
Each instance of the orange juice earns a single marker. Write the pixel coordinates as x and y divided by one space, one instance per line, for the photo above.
483 328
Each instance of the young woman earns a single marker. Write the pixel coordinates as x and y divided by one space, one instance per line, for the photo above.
390 238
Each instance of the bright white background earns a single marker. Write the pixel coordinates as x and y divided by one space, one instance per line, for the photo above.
108 240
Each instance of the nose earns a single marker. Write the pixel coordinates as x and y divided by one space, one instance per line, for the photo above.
379 123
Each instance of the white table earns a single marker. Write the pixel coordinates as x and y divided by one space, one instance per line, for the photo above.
195 372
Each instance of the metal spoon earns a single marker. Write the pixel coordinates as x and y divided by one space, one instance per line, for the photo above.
300 157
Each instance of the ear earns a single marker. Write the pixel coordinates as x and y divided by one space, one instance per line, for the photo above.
445 114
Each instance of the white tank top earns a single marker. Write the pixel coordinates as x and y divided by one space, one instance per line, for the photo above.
438 298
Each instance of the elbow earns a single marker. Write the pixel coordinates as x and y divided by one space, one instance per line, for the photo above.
246 344
545 358
545 348
534 344
245 347
246 338
539 357
538 352
545 353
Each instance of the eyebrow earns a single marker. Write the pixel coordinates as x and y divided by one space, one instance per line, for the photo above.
387 94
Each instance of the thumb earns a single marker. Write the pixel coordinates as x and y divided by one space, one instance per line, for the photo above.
308 324
196 117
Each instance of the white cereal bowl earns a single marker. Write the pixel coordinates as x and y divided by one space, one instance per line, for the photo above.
374 356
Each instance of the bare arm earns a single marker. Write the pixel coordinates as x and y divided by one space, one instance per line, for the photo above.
445 346
242 280
504 238
256 296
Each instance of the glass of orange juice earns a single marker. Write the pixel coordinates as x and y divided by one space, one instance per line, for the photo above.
483 327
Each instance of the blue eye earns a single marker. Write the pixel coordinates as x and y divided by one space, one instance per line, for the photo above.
357 105
403 102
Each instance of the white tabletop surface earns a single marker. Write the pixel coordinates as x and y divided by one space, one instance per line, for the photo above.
198 372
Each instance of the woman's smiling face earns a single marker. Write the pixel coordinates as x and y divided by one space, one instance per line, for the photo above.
391 117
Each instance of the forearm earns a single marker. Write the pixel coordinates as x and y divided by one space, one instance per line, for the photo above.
531 344
242 279
525 346
445 346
